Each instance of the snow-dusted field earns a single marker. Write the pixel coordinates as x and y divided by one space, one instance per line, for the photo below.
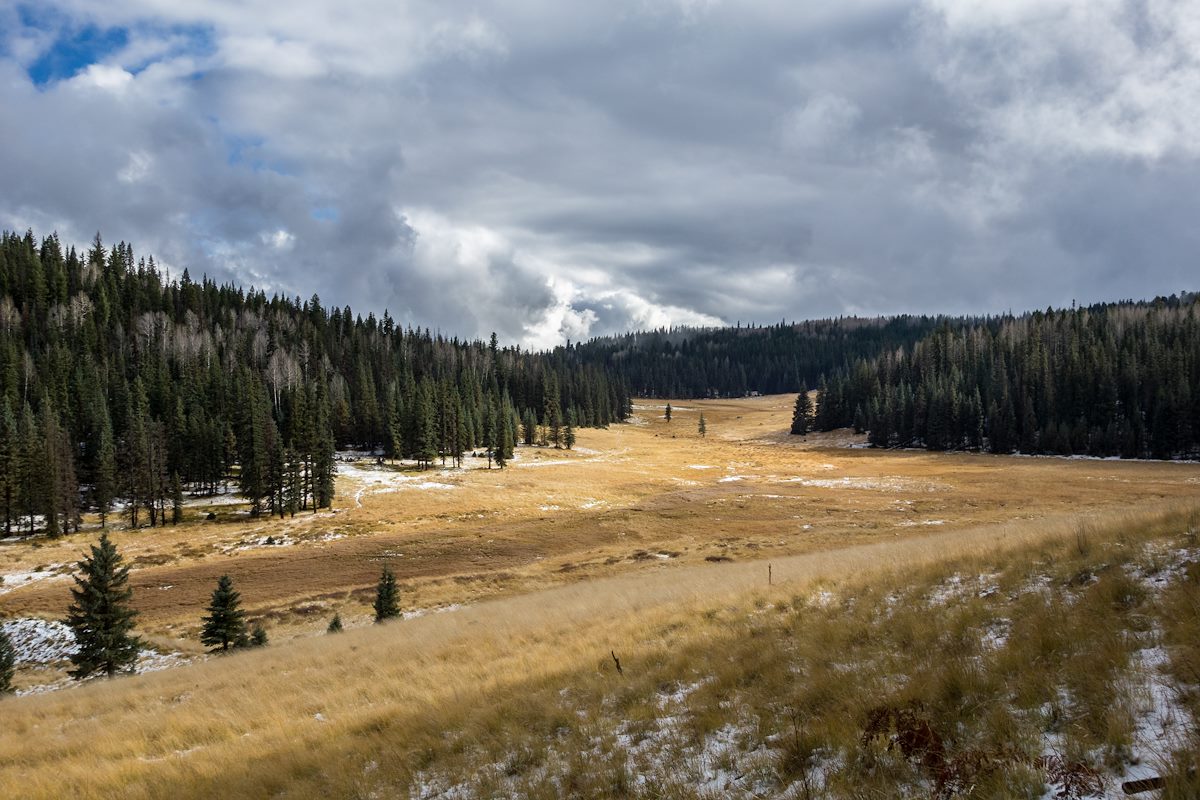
42 644
15 580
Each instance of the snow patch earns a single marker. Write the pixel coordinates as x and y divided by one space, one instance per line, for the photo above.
15 580
886 484
40 641
420 612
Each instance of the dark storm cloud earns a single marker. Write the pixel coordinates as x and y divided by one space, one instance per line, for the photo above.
554 171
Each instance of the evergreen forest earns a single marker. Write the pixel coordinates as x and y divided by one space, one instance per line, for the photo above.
1117 379
741 360
120 390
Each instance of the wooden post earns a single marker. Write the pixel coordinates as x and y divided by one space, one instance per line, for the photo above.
770 579
1144 785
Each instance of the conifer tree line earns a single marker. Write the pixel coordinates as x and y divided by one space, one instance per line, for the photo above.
733 362
122 389
1119 379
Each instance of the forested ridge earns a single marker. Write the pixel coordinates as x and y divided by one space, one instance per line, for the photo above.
733 362
121 389
1115 379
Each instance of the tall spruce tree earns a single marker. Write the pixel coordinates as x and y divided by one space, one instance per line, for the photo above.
667 413
387 596
9 454
225 625
100 615
569 433
104 479
802 413
702 426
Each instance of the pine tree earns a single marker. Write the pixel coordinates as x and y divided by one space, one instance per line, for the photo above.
387 597
104 481
497 450
8 662
335 624
426 429
569 433
802 414
702 426
258 635
100 615
176 499
225 625
667 412
529 427
9 476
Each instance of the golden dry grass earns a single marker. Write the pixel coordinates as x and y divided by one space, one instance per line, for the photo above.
303 719
630 498
561 557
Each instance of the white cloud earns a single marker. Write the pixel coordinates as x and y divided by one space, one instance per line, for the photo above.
102 76
570 170
270 56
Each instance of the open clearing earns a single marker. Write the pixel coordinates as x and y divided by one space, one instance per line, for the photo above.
646 542
649 495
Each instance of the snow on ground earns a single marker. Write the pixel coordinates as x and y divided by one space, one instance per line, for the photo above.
1163 723
255 542
701 466
958 586
885 484
912 523
41 643
227 499
420 612
226 496
663 407
379 480
15 580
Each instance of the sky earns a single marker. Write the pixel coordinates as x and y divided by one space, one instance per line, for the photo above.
555 171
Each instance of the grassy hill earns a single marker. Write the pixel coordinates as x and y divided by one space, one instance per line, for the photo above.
1010 660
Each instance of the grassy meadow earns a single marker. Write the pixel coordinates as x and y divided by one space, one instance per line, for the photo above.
934 625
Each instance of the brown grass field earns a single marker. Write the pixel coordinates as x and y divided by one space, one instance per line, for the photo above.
546 566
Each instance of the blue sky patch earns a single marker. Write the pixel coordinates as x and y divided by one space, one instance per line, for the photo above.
75 50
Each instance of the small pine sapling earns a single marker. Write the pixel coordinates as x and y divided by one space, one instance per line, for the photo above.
225 625
387 597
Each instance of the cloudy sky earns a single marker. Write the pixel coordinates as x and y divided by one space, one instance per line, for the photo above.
556 170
